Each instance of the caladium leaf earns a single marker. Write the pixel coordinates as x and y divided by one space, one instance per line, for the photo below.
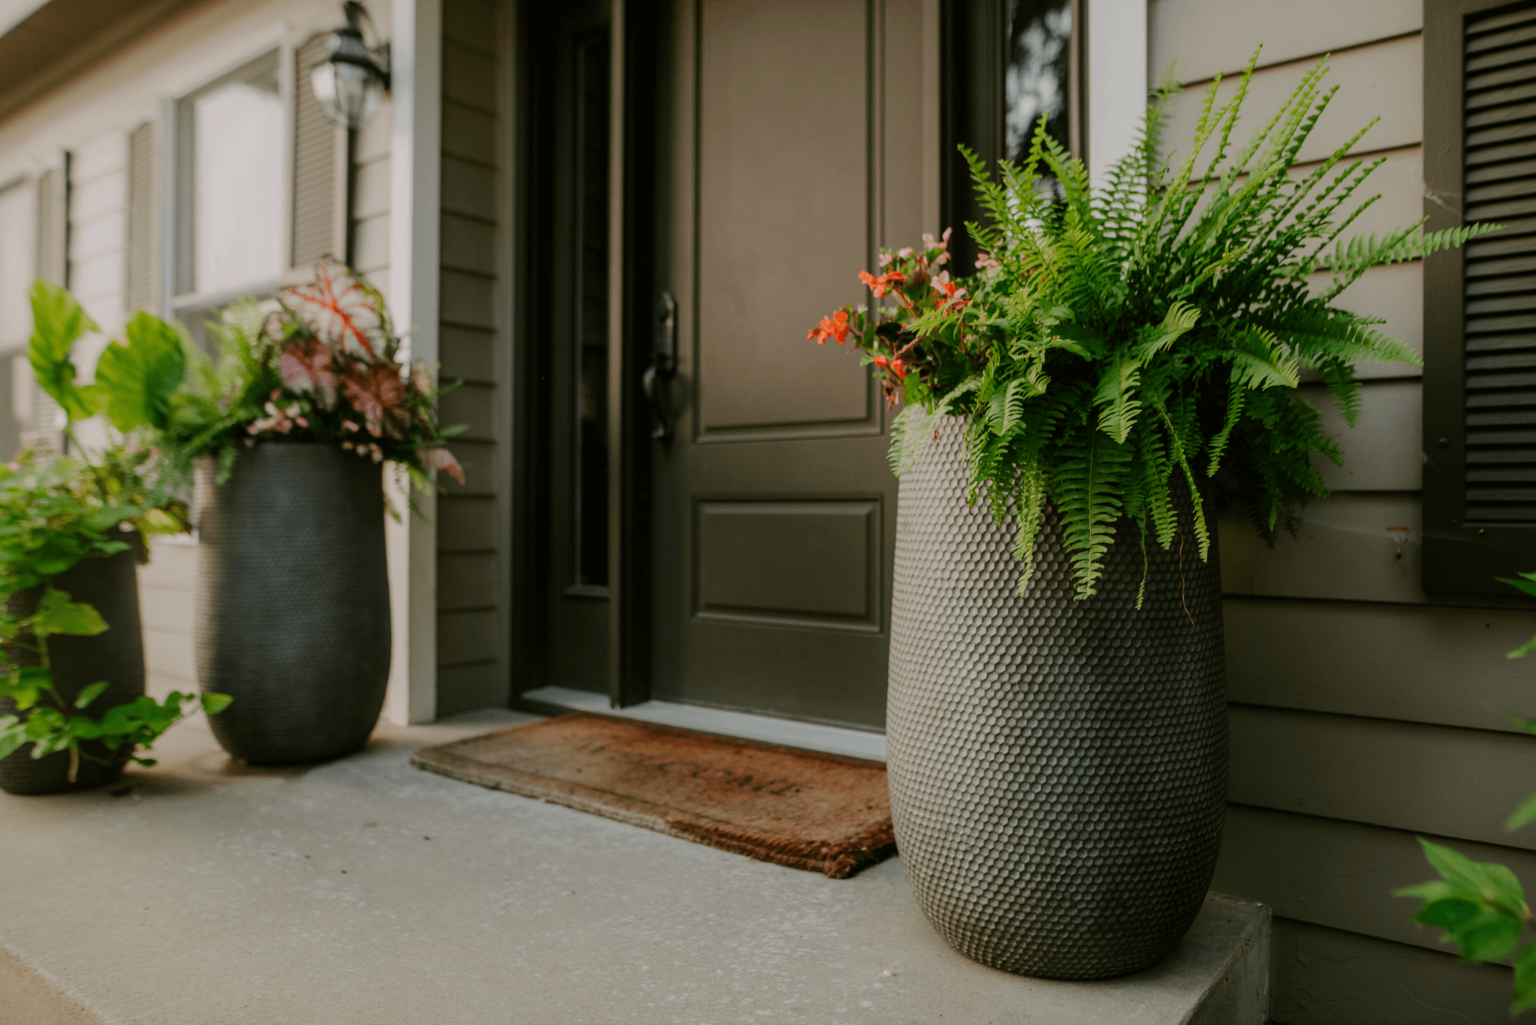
341 311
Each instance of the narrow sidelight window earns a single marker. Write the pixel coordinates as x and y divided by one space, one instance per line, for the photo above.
591 308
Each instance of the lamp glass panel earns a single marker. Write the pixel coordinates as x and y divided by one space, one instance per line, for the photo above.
348 93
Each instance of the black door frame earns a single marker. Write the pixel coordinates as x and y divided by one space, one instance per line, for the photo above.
635 35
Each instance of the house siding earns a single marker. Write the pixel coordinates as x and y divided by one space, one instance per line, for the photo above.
472 591
1363 714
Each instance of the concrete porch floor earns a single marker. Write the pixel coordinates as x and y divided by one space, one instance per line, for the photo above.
365 891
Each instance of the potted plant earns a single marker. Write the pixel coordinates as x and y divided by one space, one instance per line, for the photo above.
72 703
1124 357
288 433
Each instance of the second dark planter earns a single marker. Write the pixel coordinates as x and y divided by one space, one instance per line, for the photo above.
110 586
293 601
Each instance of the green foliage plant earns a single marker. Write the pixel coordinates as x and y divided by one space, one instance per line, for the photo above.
56 512
1480 906
1121 344
322 363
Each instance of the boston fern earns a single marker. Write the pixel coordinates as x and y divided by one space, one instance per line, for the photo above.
1124 347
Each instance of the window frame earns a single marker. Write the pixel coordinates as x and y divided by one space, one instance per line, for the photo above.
1460 559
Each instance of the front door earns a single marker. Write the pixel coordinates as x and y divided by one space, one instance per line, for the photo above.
791 145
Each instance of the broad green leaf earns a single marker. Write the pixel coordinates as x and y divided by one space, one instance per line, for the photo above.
1452 914
57 323
1476 880
1525 979
137 380
1528 725
12 735
1523 814
1491 937
1526 583
25 684
213 704
56 614
110 516
91 693
1430 892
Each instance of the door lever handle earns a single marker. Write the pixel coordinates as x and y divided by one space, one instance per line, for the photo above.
658 376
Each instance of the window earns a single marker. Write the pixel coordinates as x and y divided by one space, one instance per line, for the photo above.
1040 75
231 184
18 265
1480 302
1005 63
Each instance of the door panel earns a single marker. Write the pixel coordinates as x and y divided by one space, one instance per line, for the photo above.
780 561
783 202
773 508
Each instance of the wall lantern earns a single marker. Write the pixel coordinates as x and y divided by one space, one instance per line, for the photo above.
349 82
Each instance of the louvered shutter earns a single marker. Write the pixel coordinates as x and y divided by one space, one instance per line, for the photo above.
41 418
141 285
1480 303
319 167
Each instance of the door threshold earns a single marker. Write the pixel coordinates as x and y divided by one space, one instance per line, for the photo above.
809 736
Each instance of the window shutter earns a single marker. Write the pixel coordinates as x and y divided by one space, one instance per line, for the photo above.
41 418
1480 302
141 286
52 225
319 167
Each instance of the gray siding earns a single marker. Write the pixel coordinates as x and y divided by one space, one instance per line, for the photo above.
1362 714
472 593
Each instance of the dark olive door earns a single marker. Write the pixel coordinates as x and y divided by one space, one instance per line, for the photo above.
773 509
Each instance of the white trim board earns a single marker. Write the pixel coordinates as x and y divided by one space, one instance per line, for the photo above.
809 736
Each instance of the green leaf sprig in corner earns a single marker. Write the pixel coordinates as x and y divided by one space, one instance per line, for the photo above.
1479 906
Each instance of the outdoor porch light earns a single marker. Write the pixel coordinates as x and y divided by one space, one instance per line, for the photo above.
350 80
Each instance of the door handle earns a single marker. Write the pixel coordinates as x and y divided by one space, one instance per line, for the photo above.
658 376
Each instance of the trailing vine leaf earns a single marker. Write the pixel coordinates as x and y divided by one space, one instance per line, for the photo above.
56 614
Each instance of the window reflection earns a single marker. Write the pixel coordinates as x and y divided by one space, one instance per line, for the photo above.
1037 78
237 217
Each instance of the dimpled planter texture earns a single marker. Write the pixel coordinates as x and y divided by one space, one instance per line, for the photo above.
110 586
293 601
1057 767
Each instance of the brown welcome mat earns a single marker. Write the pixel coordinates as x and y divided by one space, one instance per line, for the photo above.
797 808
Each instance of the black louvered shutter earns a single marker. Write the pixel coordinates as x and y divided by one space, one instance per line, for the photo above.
1480 303
319 176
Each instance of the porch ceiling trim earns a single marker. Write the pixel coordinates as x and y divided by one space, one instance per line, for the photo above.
44 44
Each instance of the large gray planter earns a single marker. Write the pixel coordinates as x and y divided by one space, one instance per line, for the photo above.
1057 767
109 585
293 601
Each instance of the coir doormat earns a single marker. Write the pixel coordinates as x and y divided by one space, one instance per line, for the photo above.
797 808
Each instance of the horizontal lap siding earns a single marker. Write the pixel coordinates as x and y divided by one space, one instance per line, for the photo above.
472 593
166 602
1362 716
370 212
